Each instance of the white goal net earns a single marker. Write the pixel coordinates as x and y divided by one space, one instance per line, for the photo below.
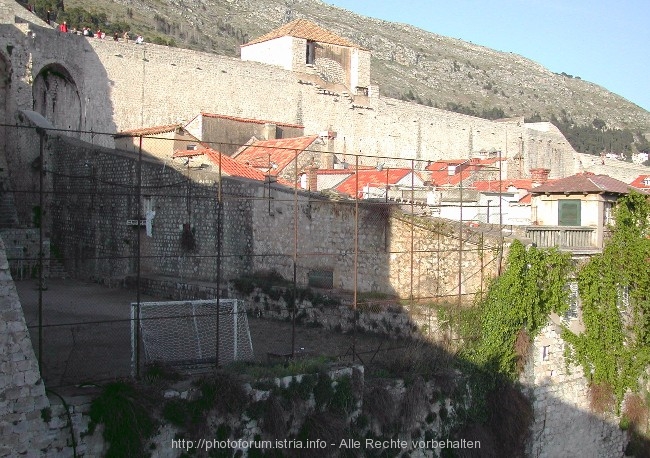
185 332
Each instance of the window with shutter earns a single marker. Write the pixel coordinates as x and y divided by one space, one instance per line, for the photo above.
569 213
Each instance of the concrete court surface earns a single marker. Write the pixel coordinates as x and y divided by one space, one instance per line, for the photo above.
87 332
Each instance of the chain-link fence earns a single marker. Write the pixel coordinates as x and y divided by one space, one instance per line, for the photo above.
325 252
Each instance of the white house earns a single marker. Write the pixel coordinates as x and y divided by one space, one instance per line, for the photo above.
304 47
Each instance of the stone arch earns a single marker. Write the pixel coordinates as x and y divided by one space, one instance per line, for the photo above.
56 97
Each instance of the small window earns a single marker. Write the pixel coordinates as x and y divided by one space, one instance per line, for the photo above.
191 147
545 352
311 52
569 212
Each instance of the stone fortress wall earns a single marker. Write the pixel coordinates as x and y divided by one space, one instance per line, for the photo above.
112 86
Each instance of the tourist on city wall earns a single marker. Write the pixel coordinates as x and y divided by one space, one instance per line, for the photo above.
126 36
63 27
139 40
48 16
115 37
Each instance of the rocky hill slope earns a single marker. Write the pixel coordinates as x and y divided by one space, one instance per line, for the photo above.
407 62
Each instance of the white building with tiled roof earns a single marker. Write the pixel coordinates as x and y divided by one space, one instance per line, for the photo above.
304 47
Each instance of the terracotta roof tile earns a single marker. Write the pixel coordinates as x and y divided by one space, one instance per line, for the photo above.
149 130
374 177
638 182
280 152
302 28
188 153
231 167
251 120
585 182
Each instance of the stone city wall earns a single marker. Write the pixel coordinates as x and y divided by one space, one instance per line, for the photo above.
123 86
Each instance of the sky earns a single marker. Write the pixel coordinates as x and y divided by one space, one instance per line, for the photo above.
602 41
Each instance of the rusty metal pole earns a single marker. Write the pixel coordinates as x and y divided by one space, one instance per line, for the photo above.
356 259
412 228
295 252
137 261
219 248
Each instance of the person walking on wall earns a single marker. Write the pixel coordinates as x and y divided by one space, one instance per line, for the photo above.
63 27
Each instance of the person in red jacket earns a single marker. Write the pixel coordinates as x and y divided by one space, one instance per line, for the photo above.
64 27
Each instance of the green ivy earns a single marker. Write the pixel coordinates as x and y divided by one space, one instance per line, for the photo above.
613 349
521 299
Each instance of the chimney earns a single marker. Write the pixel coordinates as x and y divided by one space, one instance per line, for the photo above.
269 131
312 179
539 176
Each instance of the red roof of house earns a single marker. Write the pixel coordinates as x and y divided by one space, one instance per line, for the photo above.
302 28
280 152
586 182
229 166
149 130
374 177
251 120
439 175
527 199
442 178
638 182
188 153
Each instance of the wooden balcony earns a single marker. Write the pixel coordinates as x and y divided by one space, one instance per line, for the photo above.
577 239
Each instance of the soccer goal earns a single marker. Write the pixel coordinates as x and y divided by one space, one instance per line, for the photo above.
185 332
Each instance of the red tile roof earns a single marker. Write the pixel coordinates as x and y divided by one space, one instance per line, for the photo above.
188 153
302 28
585 182
280 152
231 167
527 199
442 178
251 120
638 182
374 177
149 130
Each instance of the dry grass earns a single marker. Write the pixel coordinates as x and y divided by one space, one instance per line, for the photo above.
522 349
413 405
378 404
601 397
635 410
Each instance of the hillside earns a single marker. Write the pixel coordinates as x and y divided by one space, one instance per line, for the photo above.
407 62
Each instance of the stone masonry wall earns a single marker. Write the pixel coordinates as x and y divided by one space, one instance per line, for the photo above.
95 209
94 212
395 257
22 393
564 424
122 86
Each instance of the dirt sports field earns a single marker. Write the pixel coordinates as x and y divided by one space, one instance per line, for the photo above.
87 332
